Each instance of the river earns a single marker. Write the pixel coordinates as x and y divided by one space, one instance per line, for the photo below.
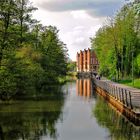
76 113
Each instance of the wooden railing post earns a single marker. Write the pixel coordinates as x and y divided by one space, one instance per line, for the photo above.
126 99
131 106
117 93
122 96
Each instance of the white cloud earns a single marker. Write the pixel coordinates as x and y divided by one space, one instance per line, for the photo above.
93 30
79 27
79 14
79 40
77 20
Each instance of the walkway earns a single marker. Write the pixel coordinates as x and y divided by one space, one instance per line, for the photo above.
127 98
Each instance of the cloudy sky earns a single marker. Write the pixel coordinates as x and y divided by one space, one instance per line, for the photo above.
77 20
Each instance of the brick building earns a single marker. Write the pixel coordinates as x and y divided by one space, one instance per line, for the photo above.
87 61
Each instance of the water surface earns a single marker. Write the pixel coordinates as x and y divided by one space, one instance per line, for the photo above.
76 113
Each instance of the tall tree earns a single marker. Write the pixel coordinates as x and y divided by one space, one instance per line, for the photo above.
6 15
54 51
24 10
119 41
31 55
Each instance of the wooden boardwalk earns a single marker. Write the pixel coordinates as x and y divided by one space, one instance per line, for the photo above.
126 97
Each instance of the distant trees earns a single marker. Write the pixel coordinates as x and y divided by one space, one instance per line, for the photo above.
31 55
71 66
117 44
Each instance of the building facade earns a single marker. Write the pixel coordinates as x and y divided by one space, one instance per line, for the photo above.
87 61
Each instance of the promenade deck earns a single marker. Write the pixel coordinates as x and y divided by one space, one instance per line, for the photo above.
126 99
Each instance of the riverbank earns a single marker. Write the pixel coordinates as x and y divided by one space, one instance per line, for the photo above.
71 76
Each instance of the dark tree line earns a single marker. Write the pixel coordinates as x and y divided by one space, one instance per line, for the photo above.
31 55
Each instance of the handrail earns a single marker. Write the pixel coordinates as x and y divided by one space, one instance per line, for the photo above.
130 97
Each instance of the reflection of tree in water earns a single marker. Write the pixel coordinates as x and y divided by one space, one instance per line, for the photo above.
28 125
30 120
118 126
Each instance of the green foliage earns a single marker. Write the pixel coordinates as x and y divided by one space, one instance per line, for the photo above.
31 55
117 44
130 83
71 66
21 72
138 60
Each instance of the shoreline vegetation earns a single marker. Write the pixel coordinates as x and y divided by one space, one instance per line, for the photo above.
32 57
71 76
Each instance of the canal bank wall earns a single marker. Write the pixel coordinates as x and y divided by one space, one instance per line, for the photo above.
123 98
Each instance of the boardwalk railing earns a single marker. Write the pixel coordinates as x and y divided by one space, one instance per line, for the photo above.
130 97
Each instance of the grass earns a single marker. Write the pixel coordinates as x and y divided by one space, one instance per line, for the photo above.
130 83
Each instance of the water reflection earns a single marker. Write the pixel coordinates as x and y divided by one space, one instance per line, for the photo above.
83 87
65 118
27 125
29 120
119 127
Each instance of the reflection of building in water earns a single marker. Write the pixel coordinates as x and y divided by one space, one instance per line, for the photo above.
88 87
83 87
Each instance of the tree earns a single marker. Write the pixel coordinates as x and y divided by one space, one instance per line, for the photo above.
6 14
55 53
23 18
116 42
31 55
